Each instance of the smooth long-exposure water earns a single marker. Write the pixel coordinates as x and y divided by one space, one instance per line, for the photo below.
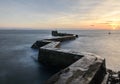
99 42
18 62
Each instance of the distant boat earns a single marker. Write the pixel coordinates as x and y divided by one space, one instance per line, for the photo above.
109 32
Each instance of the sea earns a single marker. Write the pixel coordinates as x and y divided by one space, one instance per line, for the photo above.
19 64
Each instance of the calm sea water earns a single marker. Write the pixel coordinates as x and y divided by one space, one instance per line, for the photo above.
18 62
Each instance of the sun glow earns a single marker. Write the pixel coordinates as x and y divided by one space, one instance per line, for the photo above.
114 25
76 14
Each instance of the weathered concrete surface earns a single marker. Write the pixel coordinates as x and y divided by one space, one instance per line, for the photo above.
56 57
52 45
44 42
90 69
61 39
40 43
55 33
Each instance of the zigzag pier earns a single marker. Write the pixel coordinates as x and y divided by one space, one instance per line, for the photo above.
77 67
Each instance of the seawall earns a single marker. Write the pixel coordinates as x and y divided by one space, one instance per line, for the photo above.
77 67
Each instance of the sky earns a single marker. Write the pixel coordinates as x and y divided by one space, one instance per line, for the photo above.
64 14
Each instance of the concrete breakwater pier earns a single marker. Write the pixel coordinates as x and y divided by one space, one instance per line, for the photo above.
77 67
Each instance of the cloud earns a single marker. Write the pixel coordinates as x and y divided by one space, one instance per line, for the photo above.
58 11
49 6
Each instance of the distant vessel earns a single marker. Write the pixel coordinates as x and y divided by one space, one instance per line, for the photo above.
109 32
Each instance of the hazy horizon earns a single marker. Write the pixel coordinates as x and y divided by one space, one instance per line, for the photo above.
17 28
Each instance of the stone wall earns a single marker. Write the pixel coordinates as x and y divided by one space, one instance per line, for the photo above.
58 58
79 67
90 69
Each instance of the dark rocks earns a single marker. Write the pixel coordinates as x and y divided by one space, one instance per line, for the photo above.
114 77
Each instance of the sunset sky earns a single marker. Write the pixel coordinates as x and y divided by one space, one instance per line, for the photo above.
75 14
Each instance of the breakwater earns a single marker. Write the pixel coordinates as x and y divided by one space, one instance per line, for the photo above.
77 67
